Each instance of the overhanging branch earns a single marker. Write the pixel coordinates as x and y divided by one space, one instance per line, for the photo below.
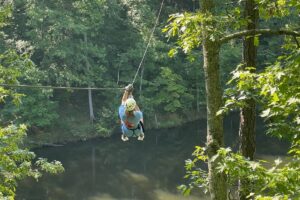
259 32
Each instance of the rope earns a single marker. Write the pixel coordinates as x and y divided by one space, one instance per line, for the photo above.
57 87
151 35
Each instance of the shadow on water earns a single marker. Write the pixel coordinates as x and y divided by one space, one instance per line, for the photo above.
109 169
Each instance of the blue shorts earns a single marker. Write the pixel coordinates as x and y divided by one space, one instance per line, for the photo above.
131 133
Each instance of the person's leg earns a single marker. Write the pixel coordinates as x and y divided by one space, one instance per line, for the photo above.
140 135
124 136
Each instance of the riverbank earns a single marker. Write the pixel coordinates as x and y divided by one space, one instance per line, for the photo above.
78 127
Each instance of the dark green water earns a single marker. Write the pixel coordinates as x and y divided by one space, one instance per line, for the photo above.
109 169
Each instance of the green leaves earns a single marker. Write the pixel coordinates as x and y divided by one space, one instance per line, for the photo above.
197 177
36 107
5 13
53 167
276 90
276 9
265 113
170 93
278 182
15 162
58 31
11 65
187 27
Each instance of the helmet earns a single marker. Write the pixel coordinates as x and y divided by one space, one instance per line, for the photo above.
130 104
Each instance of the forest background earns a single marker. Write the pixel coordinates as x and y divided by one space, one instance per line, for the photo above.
100 44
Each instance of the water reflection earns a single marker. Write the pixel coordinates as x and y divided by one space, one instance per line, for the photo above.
112 169
109 169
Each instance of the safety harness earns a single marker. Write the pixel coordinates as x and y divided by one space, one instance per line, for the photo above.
140 126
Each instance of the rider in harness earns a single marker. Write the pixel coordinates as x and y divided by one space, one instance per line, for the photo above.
131 116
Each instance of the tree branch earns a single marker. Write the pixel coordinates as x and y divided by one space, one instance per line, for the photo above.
297 42
260 32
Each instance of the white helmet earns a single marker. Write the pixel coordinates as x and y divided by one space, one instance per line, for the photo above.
130 104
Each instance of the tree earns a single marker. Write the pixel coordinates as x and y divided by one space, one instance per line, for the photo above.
248 113
66 37
212 31
16 163
276 91
170 83
211 49
215 140
37 109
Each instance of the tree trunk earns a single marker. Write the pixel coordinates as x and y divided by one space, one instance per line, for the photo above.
92 116
247 114
215 140
197 96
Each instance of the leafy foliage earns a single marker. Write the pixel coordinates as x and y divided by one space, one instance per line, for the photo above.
276 90
198 178
16 163
277 9
5 13
37 109
58 32
276 182
270 88
187 27
170 83
104 124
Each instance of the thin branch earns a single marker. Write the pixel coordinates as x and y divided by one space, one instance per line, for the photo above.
297 42
259 32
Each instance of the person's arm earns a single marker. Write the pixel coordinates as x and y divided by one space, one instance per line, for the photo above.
142 120
127 93
137 108
125 96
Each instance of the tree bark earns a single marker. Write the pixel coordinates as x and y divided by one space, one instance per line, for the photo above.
247 114
215 139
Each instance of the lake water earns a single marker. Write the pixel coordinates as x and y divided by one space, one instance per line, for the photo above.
109 169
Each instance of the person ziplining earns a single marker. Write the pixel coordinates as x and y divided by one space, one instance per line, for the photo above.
132 122
131 116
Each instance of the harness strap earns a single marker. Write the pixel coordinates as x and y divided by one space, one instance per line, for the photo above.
133 130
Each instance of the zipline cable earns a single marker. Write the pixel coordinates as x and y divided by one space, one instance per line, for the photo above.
150 37
58 87
88 88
